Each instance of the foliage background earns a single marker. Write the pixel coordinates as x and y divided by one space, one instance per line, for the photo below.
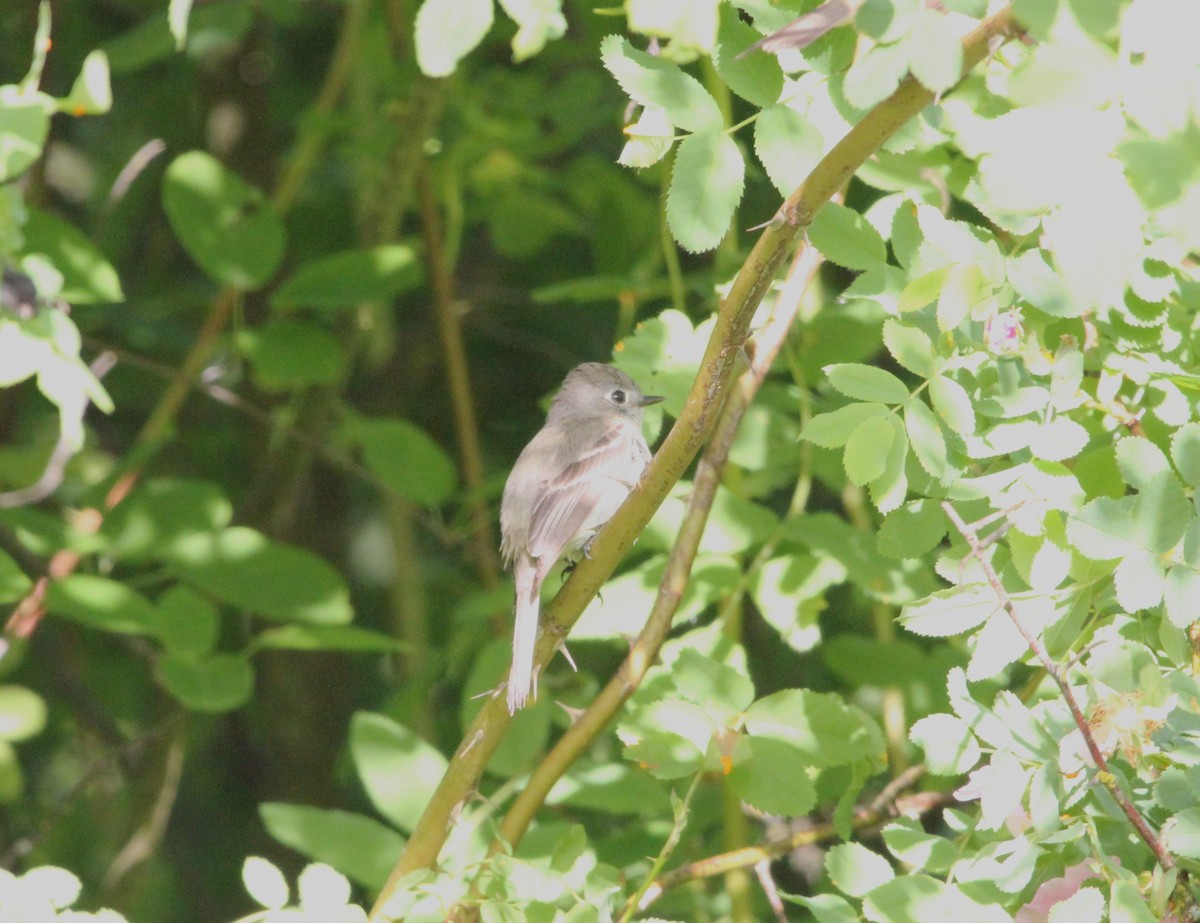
1005 320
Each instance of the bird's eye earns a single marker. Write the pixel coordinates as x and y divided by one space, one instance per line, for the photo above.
618 396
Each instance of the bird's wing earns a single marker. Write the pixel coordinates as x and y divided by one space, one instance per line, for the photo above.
570 498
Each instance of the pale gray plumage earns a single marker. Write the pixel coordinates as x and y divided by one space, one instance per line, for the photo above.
565 485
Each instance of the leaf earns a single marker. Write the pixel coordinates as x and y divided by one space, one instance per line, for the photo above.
820 725
928 441
360 847
226 226
867 383
103 603
950 612
935 51
910 347
1037 282
398 768
160 513
832 430
790 593
709 683
22 713
953 404
348 638
265 883
950 747
866 450
758 79
706 186
912 530
825 908
91 93
188 623
177 20
24 125
1185 452
771 777
1058 440
87 277
650 137
909 843
922 290
347 278
244 568
538 21
212 683
406 459
446 31
856 870
890 488
13 582
652 81
876 75
846 238
1126 905
289 354
788 146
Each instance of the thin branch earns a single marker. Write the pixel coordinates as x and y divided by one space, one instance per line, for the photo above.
1103 773
458 380
864 818
691 430
634 904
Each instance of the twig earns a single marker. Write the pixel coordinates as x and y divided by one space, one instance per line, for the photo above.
458 379
634 904
865 818
1103 773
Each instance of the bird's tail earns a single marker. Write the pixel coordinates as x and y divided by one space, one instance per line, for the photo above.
525 632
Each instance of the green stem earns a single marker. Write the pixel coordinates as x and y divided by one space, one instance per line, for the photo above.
681 816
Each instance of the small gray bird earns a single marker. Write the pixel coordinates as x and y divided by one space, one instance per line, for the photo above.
566 484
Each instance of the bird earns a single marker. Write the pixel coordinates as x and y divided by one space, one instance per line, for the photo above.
565 485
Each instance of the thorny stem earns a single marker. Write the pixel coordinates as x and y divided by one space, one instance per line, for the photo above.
1103 774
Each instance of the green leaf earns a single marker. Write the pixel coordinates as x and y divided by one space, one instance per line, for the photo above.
910 347
953 404
846 238
359 847
87 277
950 612
867 450
650 137
928 441
706 186
99 602
1182 834
867 383
950 747
652 81
705 681
13 582
922 290
212 683
690 24
177 20
790 593
908 842
832 430
820 725
771 777
188 623
91 93
912 530
348 638
539 22
24 125
226 226
406 459
399 770
788 146
289 354
244 568
890 488
934 50
611 787
757 78
825 908
876 75
345 279
1037 282
1185 452
162 512
22 713
446 31
1126 904
856 870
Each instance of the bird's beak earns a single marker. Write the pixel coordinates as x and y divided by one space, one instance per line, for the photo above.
650 399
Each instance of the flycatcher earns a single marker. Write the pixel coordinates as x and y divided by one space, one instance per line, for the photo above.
566 484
